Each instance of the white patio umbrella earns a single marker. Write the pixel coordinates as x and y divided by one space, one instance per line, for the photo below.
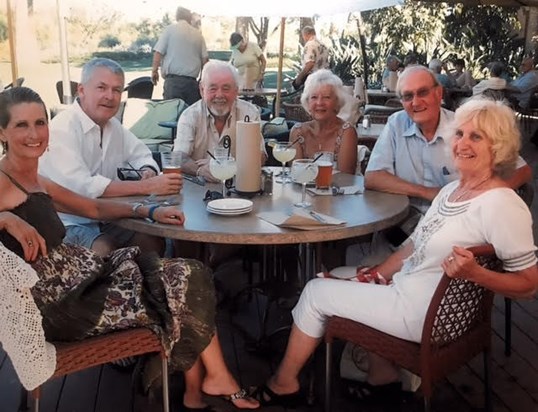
283 9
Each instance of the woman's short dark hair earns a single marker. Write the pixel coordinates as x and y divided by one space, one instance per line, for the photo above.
14 96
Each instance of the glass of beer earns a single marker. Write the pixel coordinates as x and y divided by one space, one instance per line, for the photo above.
325 169
171 162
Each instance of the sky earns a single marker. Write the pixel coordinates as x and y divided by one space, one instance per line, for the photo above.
133 10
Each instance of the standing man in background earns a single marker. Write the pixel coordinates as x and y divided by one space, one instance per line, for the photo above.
315 56
181 52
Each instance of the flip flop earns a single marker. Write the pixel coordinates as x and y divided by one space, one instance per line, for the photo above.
240 394
267 397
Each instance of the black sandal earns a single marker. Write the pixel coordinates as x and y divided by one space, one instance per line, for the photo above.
390 393
267 397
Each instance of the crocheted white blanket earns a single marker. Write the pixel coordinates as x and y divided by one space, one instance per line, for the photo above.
21 330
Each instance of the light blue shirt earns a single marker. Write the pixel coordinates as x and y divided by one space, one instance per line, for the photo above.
527 84
402 150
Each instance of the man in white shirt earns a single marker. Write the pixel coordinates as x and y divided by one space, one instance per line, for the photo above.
203 126
88 145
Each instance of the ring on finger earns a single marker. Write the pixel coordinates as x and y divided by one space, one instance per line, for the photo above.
450 259
30 243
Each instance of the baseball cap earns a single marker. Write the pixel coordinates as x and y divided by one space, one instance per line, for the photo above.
235 39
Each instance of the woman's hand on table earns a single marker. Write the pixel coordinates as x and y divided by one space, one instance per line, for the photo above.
169 215
32 243
164 184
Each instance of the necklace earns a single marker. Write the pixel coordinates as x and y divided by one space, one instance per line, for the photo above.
465 192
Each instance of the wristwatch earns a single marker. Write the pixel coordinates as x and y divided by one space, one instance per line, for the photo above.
135 207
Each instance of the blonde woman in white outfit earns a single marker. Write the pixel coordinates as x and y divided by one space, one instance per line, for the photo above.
485 146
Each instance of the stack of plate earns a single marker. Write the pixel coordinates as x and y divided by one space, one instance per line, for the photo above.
229 206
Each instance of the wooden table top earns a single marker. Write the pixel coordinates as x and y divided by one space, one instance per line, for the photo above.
364 214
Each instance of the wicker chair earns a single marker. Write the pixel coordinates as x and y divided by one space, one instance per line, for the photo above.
75 356
379 114
295 112
457 328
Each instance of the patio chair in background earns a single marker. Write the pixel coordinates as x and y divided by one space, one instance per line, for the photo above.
141 87
18 83
60 89
457 328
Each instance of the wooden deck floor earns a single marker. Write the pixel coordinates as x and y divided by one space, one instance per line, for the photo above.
514 378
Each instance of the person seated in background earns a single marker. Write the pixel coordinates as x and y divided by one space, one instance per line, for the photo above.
81 294
248 59
87 146
390 73
324 97
495 81
462 77
203 126
436 66
315 56
410 60
484 146
527 83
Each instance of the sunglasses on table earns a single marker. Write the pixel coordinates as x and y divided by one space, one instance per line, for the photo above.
212 195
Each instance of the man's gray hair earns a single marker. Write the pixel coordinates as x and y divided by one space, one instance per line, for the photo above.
413 69
89 68
215 66
183 14
435 65
308 30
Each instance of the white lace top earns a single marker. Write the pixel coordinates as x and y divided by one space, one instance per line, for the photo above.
21 331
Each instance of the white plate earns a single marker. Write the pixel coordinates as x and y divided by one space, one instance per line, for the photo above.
229 213
229 204
246 209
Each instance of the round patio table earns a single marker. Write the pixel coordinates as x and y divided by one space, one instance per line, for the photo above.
363 213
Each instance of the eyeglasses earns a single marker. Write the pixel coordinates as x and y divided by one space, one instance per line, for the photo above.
420 93
212 195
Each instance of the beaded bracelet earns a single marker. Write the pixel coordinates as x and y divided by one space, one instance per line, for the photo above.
151 211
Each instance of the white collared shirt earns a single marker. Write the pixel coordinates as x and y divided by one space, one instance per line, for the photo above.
83 161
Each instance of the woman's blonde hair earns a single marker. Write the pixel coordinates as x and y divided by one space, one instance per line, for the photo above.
498 122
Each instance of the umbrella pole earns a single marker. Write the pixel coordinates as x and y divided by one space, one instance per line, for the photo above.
64 56
12 52
279 73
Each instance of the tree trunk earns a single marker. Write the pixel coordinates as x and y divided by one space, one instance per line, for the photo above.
362 42
241 26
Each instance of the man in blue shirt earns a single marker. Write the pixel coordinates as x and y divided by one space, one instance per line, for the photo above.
527 83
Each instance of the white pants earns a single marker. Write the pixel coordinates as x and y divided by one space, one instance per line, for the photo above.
377 306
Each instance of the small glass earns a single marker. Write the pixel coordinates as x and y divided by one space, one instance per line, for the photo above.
303 171
325 162
223 168
284 153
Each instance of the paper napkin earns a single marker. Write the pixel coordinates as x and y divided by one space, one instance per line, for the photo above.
301 219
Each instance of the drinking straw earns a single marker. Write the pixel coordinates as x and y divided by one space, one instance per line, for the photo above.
294 142
213 157
317 157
